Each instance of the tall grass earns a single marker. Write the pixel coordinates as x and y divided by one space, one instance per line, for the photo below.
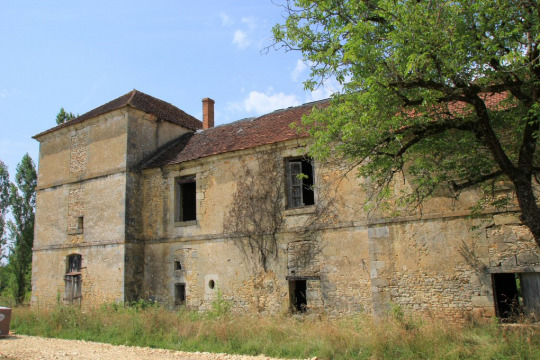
357 337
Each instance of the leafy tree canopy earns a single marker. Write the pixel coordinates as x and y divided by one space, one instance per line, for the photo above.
444 92
64 116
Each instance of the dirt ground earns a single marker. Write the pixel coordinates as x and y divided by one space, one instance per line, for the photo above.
22 347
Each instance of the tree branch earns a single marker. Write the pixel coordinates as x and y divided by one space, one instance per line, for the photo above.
472 182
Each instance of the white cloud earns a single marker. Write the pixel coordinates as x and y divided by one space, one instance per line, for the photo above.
298 70
240 39
261 103
226 20
3 93
251 22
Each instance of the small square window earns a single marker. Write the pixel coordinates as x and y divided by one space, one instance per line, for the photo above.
300 183
186 199
177 265
179 294
80 223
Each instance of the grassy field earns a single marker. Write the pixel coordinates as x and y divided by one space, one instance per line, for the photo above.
358 337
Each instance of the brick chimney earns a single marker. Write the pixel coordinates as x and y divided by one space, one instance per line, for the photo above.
208 113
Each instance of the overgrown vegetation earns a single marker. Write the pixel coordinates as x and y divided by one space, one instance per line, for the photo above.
358 337
255 216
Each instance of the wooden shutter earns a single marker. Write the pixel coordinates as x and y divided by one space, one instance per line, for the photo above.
295 184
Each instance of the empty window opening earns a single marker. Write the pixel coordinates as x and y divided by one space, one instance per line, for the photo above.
187 196
516 294
297 294
211 284
73 263
300 183
179 294
177 265
80 223
73 279
507 294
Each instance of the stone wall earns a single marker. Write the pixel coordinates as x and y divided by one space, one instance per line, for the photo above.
319 243
102 274
438 260
442 267
88 184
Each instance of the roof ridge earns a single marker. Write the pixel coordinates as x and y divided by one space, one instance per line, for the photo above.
310 103
141 101
129 101
254 118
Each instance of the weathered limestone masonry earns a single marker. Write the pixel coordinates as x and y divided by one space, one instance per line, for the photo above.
145 199
87 175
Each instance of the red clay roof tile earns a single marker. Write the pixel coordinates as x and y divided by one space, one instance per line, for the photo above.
239 135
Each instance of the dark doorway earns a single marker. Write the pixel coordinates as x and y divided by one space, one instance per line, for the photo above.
179 294
297 291
506 293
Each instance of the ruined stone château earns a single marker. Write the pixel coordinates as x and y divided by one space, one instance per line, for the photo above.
138 200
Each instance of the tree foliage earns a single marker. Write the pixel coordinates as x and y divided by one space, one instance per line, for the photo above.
443 92
64 116
22 202
4 202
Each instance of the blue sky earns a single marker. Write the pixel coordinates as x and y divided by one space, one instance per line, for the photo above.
82 54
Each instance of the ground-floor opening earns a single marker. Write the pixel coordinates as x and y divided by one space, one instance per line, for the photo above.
297 293
179 294
516 295
73 280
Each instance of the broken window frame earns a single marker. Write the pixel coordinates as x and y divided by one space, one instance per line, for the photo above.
73 279
186 199
300 182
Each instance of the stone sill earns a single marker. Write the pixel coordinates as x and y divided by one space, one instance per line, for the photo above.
185 223
310 209
75 232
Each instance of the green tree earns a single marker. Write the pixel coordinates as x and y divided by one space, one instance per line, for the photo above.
443 92
64 116
23 202
4 202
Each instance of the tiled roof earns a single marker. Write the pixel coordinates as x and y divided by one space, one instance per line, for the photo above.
141 101
243 134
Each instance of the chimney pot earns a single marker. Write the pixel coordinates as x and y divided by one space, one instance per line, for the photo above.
208 113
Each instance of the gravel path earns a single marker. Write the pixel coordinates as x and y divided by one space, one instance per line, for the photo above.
20 347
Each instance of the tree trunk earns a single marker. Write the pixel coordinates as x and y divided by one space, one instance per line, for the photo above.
527 203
